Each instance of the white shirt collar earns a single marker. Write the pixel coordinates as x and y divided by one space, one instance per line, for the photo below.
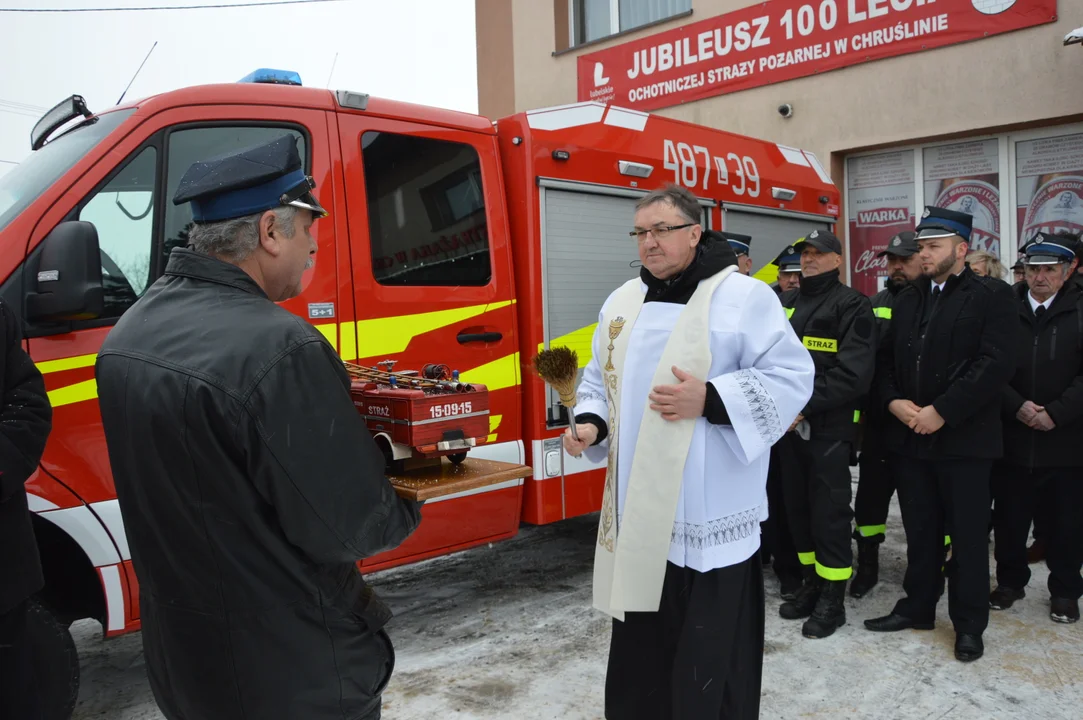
1034 304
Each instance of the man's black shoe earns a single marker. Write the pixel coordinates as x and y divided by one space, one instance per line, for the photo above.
968 647
895 623
790 584
1004 597
1064 610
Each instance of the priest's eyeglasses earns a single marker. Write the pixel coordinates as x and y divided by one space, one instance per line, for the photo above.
659 231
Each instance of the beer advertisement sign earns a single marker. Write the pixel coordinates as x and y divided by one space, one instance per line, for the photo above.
966 177
781 40
879 204
1049 176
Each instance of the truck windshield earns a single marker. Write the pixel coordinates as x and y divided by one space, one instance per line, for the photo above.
33 176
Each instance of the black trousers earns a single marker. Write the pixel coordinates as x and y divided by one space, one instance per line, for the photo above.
18 691
776 536
1043 508
700 657
1017 492
875 486
816 485
934 495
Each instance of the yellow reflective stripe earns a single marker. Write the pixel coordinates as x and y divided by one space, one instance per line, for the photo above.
86 390
947 540
789 312
578 340
882 312
857 416
494 423
496 375
329 331
70 363
821 344
768 273
347 345
808 558
834 573
871 530
378 337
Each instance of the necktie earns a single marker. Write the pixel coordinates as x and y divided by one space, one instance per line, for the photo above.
1039 312
936 293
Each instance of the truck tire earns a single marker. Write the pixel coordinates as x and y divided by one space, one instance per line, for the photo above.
56 663
457 458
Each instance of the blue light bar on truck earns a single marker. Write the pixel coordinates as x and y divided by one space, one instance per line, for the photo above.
273 77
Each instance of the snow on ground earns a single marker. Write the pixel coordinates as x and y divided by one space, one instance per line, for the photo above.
506 631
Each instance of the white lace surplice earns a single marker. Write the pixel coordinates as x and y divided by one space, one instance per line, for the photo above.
764 376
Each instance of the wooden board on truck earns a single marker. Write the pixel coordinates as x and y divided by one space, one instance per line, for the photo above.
447 478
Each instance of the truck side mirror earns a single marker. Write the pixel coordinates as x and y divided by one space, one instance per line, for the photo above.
69 275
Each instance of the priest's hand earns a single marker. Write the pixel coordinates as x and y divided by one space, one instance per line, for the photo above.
684 401
588 433
927 421
905 410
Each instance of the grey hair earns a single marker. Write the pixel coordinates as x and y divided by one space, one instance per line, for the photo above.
993 266
680 198
237 238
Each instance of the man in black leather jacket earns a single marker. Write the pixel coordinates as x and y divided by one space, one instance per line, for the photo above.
941 377
248 483
836 325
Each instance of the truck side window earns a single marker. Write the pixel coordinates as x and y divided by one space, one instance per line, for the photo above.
189 145
123 214
426 211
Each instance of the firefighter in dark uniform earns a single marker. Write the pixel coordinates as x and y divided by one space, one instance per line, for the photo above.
742 245
835 323
248 483
942 376
26 418
876 485
1043 421
789 270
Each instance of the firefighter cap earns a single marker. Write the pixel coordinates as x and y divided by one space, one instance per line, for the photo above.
741 244
939 222
903 244
822 240
789 260
1045 249
249 181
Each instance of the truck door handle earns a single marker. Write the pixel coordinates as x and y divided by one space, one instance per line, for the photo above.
466 337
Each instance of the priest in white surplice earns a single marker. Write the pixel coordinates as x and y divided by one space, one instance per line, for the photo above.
677 562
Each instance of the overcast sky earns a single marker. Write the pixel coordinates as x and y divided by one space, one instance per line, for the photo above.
414 50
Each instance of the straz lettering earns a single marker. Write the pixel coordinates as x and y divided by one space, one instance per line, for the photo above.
451 409
822 344
380 410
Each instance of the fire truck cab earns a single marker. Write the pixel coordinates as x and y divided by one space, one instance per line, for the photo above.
451 239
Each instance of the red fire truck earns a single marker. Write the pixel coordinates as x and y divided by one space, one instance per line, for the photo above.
451 239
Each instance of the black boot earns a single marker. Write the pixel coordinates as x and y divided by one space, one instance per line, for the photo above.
805 602
868 567
830 612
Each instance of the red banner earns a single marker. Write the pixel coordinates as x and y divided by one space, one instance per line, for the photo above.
786 39
880 204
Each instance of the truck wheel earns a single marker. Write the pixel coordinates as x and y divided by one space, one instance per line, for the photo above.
56 663
457 458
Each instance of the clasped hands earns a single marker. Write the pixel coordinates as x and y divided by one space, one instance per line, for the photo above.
922 420
1034 416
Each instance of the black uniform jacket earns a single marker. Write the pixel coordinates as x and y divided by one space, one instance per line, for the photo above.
249 488
25 421
1049 372
874 416
835 323
954 354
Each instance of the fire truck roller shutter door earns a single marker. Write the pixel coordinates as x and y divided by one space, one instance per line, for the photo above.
769 233
586 254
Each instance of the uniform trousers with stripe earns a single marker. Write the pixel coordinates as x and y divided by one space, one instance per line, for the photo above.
875 487
700 657
816 486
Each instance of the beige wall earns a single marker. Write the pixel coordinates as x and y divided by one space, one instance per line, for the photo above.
1019 78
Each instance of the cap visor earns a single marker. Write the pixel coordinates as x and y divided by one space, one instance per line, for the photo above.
935 232
308 202
1046 260
790 268
899 252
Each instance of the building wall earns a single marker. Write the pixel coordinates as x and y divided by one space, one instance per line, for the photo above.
1014 79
